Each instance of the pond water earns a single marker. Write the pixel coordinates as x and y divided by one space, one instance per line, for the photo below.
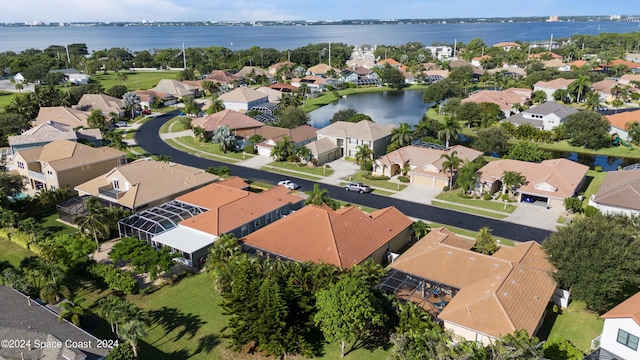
395 107
386 107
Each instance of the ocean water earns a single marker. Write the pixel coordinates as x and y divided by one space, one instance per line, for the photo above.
136 38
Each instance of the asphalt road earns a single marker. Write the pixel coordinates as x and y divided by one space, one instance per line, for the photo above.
147 136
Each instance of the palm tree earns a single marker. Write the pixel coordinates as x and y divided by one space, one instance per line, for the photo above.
450 129
580 85
420 229
96 120
95 222
402 135
131 331
72 311
164 158
115 140
319 196
451 163
363 154
591 101
512 179
19 87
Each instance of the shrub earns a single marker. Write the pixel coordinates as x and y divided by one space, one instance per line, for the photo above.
375 177
368 165
463 195
404 179
185 122
486 196
115 278
445 188
598 168
590 211
573 204
250 149
505 197
617 103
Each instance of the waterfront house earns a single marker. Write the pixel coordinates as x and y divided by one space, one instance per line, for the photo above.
548 183
321 70
300 135
243 99
440 52
505 99
620 120
550 87
238 123
63 164
71 117
621 332
477 297
315 84
347 136
423 165
50 131
619 193
144 183
343 237
105 103
324 150
545 116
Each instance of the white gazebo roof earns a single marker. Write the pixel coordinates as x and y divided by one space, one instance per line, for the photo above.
185 239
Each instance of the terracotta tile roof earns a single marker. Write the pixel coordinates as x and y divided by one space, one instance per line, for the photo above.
362 130
321 69
390 61
213 195
578 63
102 102
298 134
233 119
443 73
147 95
62 114
64 154
555 84
343 238
239 209
424 159
242 95
539 55
620 120
627 63
149 181
620 189
245 71
235 182
629 308
275 67
604 86
560 176
505 98
627 78
175 88
497 295
221 76
194 83
507 43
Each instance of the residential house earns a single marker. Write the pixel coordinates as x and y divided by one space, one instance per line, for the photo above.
243 99
343 237
275 68
545 44
507 45
283 88
432 76
391 62
603 89
508 71
357 73
619 193
144 183
73 76
224 208
545 55
238 123
324 150
251 72
18 78
477 297
347 136
274 96
632 57
63 164
315 84
105 103
621 332
629 64
176 89
300 135
620 120
505 99
423 165
440 52
222 77
477 72
50 131
148 98
627 79
550 87
71 117
545 116
549 182
30 323
362 56
477 61
321 70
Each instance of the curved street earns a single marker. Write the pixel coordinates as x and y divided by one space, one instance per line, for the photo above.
148 137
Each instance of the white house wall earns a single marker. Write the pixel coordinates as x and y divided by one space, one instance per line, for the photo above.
609 337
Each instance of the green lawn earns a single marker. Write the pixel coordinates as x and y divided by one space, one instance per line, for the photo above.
50 220
577 325
290 173
135 80
594 180
212 149
468 210
5 98
317 171
13 253
173 125
453 196
180 146
383 184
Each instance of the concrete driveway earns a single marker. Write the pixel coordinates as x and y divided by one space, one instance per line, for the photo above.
6 85
418 193
536 216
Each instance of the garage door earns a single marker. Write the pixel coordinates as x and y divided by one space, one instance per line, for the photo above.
264 150
534 199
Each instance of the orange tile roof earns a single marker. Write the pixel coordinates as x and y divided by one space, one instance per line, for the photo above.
620 120
343 238
498 294
507 43
233 119
230 208
537 56
505 98
559 83
629 308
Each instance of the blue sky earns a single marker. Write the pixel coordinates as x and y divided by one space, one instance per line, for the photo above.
248 10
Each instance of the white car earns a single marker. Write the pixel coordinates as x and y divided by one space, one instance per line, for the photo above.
289 184
121 124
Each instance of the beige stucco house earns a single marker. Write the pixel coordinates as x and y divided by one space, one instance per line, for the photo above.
74 118
347 136
243 99
63 164
105 103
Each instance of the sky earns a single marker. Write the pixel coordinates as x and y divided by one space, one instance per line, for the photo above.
20 11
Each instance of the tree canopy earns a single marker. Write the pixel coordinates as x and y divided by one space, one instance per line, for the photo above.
588 129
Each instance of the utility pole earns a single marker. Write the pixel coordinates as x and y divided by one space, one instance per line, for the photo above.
184 57
329 53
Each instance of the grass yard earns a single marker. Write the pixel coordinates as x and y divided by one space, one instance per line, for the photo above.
180 146
383 184
173 125
50 221
212 149
594 180
453 196
577 325
13 253
317 171
285 172
466 209
5 98
135 80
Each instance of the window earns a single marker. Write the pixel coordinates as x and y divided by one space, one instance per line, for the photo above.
627 339
353 141
20 164
116 184
256 223
243 230
51 187
50 174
